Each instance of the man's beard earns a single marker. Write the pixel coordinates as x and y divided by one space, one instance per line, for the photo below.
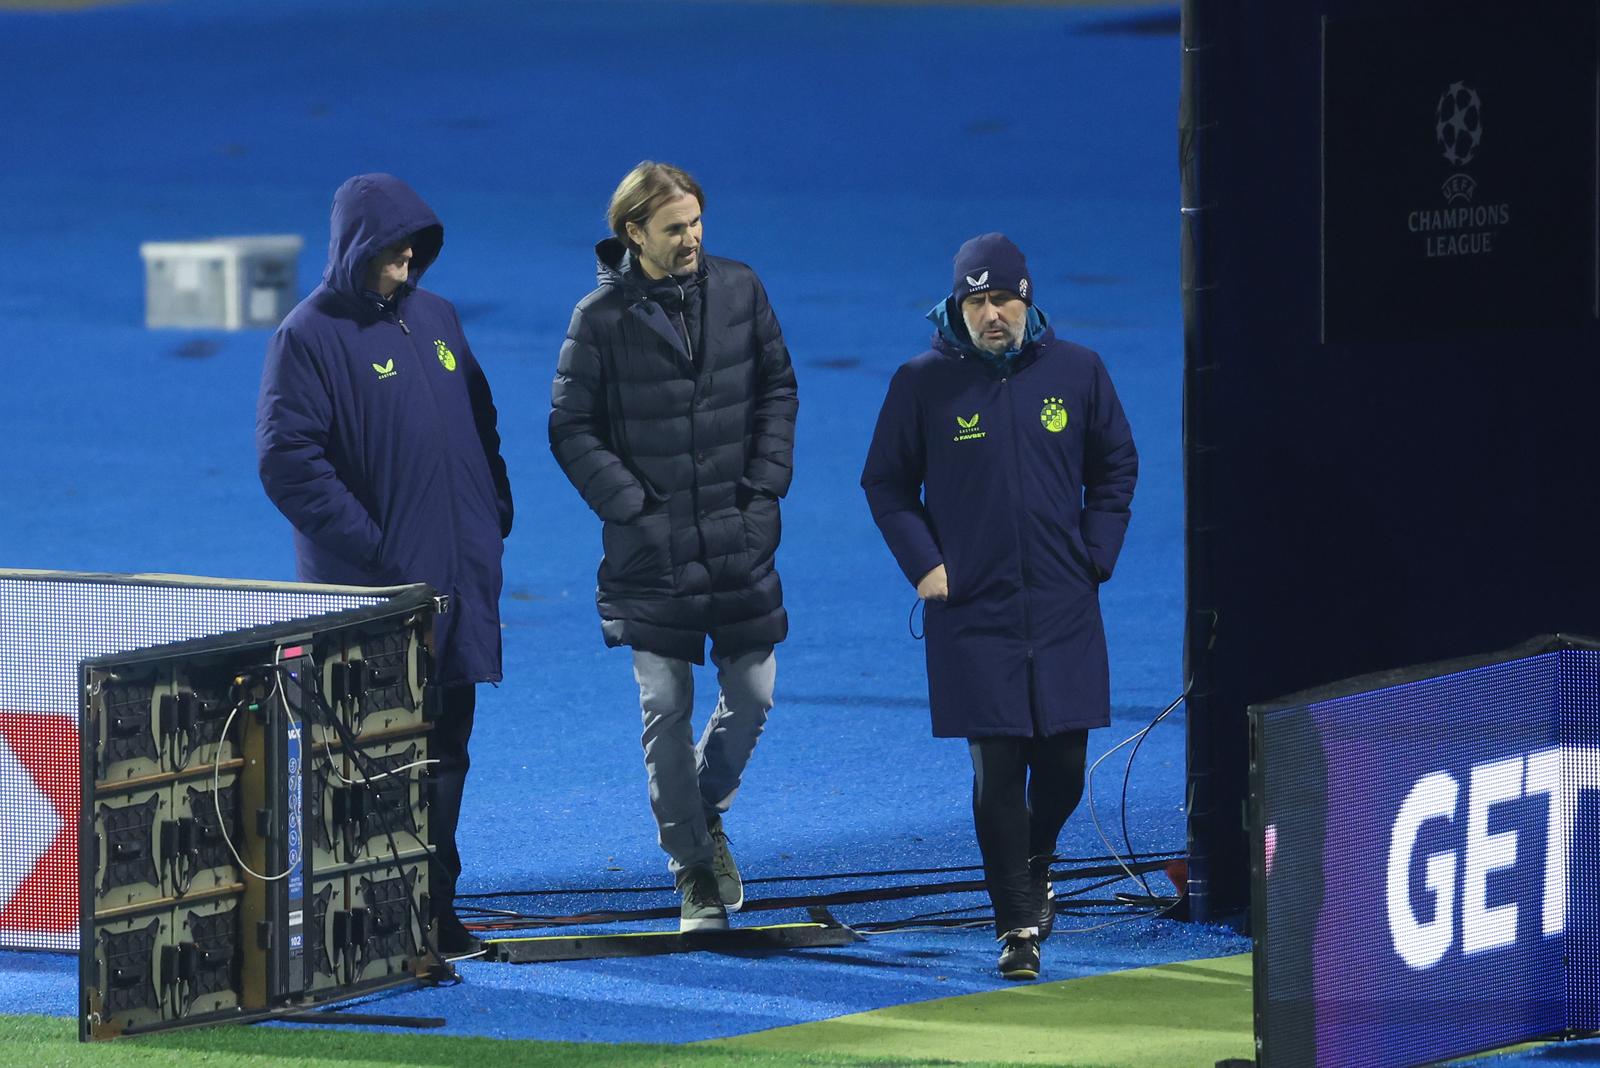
1011 342
672 264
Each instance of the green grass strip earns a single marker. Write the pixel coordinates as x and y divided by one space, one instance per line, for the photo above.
52 1042
1182 1015
1193 1013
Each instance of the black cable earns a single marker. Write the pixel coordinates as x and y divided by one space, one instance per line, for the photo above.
507 920
1133 858
1092 908
368 768
1127 775
1070 894
911 621
896 926
925 918
984 920
959 913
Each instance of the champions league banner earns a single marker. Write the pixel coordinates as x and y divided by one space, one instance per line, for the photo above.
1454 152
1426 860
1389 255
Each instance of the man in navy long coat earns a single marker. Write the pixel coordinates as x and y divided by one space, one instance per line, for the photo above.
1001 474
376 436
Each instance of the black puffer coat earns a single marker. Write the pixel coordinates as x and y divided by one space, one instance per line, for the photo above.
683 455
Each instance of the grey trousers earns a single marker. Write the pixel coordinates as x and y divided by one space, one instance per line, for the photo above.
691 781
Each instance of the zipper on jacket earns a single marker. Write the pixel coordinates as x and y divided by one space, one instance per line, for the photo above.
449 473
1022 548
694 454
688 342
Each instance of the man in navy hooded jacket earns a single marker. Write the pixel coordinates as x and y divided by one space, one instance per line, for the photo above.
1001 474
376 437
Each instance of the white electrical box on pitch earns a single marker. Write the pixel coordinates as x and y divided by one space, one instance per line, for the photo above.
227 283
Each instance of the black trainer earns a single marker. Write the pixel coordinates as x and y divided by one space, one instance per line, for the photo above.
1019 957
702 906
454 940
1044 892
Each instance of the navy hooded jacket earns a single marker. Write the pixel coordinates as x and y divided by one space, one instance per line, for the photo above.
375 432
1018 478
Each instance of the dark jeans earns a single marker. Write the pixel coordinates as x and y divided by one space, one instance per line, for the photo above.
448 746
1023 790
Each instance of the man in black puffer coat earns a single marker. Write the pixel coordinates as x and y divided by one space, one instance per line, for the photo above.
673 413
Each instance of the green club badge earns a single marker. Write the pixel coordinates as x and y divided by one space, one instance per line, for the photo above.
1054 415
446 357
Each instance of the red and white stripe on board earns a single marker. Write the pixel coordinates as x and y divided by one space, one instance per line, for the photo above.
39 798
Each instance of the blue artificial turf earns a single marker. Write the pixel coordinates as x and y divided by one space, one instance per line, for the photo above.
846 152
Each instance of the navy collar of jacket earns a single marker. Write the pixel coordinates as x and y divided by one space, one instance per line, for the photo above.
616 265
656 302
951 339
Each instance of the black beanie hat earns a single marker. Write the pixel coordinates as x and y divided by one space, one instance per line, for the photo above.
991 261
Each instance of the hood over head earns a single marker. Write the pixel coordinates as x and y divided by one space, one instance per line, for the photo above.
371 212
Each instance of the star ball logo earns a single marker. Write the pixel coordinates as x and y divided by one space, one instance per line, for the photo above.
1461 227
1459 125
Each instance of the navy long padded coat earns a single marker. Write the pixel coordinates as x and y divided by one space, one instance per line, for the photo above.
376 432
1019 482
682 455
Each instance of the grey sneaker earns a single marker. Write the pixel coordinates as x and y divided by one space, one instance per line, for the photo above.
701 910
729 886
1019 957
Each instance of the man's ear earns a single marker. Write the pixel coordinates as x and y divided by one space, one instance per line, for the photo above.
635 233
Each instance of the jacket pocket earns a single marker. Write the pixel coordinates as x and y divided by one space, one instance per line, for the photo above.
386 567
763 527
638 553
1081 547
1067 546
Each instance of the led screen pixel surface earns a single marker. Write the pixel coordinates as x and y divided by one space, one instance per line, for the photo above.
1425 870
49 622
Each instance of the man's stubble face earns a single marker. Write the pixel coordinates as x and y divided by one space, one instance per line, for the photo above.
390 268
996 320
669 240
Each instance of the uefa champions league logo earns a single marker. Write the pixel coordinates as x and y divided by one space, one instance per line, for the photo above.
1462 227
1459 123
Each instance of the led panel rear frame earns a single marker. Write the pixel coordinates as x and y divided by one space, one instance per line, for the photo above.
50 621
179 928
